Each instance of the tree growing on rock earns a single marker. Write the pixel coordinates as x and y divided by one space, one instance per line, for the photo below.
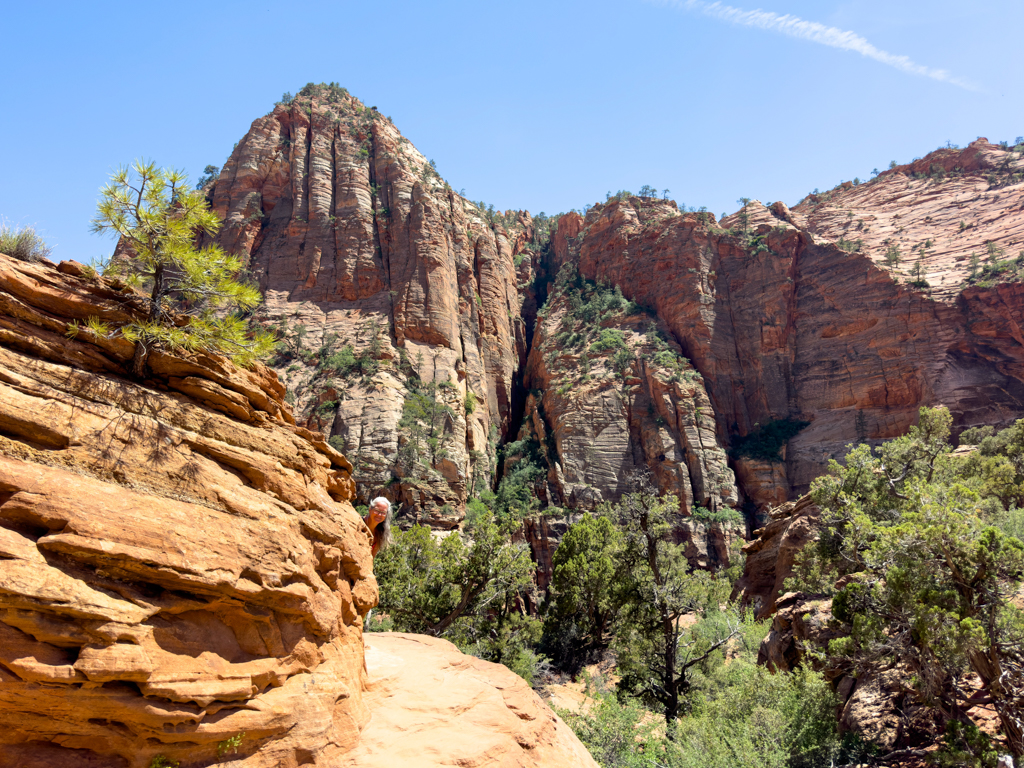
191 298
922 574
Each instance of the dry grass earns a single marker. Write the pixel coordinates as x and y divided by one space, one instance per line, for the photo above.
24 243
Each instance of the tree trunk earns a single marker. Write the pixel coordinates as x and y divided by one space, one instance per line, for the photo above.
994 680
155 315
139 360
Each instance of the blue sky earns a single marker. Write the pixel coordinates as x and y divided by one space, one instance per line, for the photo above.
538 105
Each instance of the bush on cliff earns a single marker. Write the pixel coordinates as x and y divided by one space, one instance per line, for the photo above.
928 580
191 297
23 243
765 442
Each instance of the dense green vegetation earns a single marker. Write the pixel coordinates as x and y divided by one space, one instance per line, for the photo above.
684 655
741 716
682 652
466 591
926 545
923 545
765 442
584 329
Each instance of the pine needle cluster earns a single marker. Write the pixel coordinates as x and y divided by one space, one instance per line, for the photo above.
194 300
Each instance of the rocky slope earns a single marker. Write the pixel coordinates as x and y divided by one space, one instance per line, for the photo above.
785 325
179 563
937 211
433 705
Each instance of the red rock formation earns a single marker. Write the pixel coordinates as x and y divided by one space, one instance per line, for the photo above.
772 554
179 563
918 209
352 233
783 324
182 572
601 418
354 237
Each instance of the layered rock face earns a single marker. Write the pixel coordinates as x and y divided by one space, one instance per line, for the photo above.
182 573
357 242
784 325
611 398
181 570
771 555
936 211
387 286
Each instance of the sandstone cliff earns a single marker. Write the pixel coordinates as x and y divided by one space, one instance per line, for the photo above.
421 331
376 272
179 563
784 324
611 397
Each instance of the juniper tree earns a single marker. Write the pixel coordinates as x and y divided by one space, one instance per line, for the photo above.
656 653
928 578
191 297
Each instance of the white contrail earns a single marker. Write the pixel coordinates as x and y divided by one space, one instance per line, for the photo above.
816 33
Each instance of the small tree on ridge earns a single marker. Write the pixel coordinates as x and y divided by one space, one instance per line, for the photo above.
193 295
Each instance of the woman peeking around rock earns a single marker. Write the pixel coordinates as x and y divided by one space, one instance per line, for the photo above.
378 520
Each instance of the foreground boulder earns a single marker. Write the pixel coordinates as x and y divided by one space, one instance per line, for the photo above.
181 571
432 705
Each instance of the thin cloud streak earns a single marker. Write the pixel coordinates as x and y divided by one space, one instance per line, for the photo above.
816 33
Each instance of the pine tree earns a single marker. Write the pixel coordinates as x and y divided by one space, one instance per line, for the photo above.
192 298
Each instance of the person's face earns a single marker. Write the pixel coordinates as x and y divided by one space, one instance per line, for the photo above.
378 512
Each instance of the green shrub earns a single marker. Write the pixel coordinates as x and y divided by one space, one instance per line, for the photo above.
230 744
23 244
470 402
750 718
622 360
666 358
424 416
327 408
379 623
850 246
901 525
210 173
476 511
618 735
468 590
611 339
529 665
